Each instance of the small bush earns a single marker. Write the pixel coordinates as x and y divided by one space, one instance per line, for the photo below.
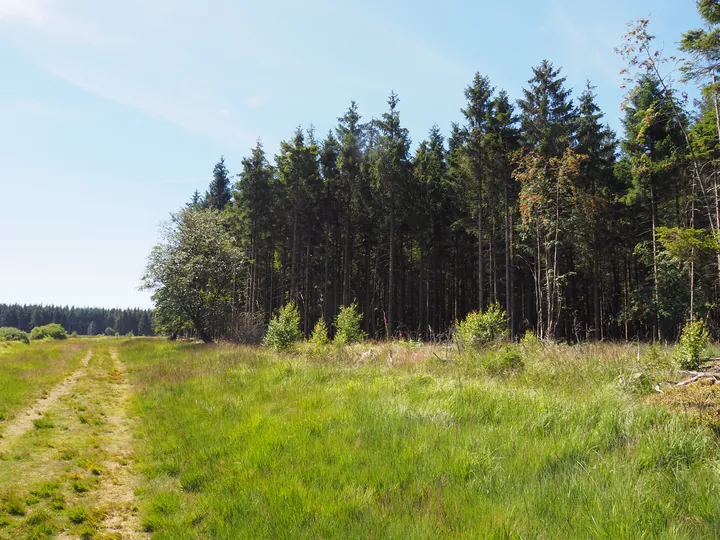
481 328
130 334
109 332
74 334
347 326
284 328
319 336
8 333
693 340
505 360
52 331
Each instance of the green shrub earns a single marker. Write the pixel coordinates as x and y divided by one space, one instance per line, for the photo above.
505 360
130 334
319 336
8 333
481 328
347 326
74 334
284 328
52 331
499 361
109 332
693 340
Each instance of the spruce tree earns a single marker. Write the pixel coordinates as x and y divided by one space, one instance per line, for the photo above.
218 195
392 169
547 112
479 98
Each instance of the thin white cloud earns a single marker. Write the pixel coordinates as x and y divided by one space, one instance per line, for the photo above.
22 10
591 45
255 102
50 22
196 114
116 63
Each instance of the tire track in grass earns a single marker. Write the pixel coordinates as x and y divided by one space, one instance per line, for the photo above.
24 421
117 491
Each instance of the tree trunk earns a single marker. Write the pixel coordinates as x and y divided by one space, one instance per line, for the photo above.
596 290
481 266
326 286
508 299
306 300
391 274
293 264
655 267
493 262
346 264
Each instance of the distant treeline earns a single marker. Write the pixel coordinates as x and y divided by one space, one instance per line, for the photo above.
83 320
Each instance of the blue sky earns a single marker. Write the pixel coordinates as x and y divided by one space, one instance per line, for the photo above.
114 112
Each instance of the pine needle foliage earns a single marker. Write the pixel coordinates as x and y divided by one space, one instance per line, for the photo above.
347 326
284 328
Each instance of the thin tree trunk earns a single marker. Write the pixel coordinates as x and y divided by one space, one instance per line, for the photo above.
597 332
326 287
493 262
346 264
508 299
421 296
655 267
306 300
715 182
481 266
293 264
391 274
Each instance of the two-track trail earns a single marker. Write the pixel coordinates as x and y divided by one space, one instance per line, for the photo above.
69 458
24 421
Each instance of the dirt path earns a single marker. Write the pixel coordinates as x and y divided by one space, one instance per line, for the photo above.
24 421
117 491
76 466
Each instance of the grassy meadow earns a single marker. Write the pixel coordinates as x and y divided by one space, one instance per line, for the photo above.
27 372
408 441
240 442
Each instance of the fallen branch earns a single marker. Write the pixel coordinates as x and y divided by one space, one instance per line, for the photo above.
693 373
697 378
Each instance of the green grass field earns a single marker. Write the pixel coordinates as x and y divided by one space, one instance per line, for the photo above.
412 442
26 372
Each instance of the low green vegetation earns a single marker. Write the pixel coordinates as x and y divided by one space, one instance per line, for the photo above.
26 372
347 326
528 440
481 328
693 340
63 477
319 336
8 333
48 331
284 328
